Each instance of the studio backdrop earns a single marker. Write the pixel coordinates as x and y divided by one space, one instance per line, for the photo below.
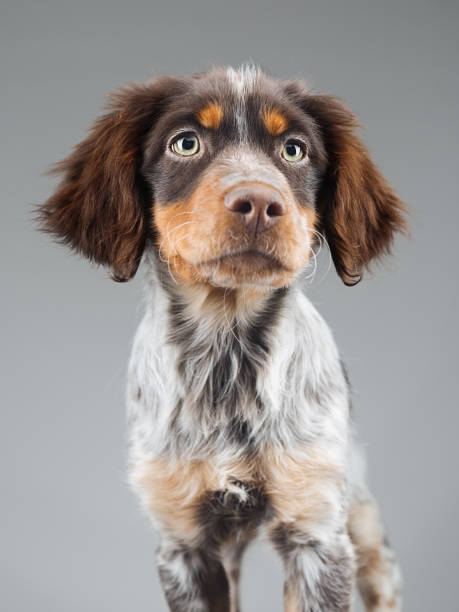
73 537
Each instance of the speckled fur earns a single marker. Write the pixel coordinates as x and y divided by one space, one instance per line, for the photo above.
238 405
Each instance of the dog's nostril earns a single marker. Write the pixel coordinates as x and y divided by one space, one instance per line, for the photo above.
242 206
257 205
275 210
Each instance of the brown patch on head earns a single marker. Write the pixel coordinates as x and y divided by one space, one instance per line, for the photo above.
211 116
275 121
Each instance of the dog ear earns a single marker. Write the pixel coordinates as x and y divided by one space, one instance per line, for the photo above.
99 209
359 210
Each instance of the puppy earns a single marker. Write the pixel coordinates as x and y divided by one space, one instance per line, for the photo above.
224 183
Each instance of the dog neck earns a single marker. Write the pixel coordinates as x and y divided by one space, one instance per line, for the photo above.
223 339
247 381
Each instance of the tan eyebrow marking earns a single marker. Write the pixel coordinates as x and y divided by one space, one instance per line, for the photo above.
211 115
275 121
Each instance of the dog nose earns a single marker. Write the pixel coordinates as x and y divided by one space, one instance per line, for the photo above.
260 206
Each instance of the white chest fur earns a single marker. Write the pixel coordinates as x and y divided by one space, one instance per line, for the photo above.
301 392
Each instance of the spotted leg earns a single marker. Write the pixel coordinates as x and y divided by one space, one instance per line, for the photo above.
318 574
192 581
378 575
231 553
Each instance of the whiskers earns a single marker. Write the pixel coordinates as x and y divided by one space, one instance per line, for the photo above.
167 238
322 242
279 251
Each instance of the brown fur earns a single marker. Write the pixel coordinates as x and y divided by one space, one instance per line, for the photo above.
172 493
123 187
102 206
200 229
276 122
292 602
298 487
173 490
210 117
360 211
295 485
98 208
374 556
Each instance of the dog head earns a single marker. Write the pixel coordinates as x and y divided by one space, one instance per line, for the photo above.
232 176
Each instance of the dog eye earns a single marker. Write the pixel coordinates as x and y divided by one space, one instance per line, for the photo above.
185 145
293 151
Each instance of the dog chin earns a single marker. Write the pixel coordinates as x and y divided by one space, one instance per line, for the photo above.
264 279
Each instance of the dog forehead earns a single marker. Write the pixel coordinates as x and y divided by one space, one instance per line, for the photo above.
238 101
231 105
243 78
231 84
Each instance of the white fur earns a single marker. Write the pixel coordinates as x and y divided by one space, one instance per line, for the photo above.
243 81
304 361
305 411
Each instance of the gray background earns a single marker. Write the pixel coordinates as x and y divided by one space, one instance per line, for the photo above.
72 536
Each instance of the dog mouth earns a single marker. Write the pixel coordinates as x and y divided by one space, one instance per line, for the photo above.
254 259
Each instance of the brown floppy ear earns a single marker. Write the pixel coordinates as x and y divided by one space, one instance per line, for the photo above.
359 210
99 207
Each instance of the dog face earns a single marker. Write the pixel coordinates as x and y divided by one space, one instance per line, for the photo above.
234 169
231 175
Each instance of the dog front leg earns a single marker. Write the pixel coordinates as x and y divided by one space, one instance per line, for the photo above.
318 574
192 580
